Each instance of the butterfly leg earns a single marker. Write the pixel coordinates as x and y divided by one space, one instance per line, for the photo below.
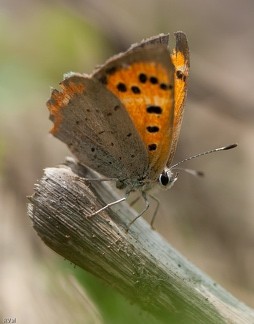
85 180
156 210
142 212
109 205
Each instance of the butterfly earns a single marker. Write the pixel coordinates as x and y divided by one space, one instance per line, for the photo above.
124 119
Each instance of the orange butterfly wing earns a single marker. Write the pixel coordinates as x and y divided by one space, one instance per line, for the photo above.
181 60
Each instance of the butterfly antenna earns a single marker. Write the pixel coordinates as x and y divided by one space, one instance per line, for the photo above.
199 173
191 171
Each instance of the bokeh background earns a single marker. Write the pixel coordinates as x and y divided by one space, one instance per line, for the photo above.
210 220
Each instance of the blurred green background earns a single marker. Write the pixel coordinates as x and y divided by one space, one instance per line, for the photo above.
208 220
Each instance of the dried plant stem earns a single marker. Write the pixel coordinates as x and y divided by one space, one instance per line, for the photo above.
140 264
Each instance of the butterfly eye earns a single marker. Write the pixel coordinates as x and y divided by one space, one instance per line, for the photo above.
167 179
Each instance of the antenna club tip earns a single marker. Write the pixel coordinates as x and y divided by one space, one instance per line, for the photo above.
229 147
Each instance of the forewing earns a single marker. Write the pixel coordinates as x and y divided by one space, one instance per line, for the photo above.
143 80
181 60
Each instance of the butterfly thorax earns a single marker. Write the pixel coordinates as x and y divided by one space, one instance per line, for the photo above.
165 180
